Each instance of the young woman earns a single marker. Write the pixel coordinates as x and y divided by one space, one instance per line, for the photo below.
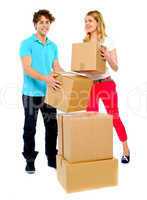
104 87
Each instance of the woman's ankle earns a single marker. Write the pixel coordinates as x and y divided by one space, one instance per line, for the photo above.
125 148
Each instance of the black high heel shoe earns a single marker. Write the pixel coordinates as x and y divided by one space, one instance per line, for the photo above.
125 159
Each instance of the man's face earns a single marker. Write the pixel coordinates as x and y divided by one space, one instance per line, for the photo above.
42 26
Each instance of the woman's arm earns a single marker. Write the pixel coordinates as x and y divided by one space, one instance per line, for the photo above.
110 57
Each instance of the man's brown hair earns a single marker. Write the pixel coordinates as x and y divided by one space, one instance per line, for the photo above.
45 13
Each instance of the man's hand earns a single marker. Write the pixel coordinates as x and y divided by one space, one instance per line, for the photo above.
51 81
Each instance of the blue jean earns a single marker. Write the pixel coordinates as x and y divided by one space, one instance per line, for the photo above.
31 107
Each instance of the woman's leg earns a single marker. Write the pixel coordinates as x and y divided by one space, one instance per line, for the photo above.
110 99
93 99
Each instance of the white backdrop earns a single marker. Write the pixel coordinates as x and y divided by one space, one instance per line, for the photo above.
126 22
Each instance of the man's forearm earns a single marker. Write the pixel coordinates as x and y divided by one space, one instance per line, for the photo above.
34 74
58 69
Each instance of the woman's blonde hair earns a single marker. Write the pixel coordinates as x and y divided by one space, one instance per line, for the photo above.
101 26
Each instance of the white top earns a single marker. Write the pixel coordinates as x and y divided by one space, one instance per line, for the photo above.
94 75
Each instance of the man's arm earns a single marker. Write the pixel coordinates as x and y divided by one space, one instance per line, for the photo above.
26 63
57 67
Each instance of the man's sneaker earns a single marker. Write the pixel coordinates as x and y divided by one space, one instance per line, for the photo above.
30 168
52 162
125 159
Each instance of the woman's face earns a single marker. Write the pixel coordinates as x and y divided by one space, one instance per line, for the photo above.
90 24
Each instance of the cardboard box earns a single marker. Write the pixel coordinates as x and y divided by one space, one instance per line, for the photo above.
86 57
87 175
85 136
73 95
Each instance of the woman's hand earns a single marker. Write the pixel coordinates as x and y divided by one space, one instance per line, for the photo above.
110 57
104 53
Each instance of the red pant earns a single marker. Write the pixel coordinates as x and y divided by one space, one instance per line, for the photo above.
107 92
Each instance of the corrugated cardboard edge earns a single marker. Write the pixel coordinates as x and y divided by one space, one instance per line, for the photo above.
63 165
60 135
82 116
74 75
73 114
84 44
88 92
61 174
97 48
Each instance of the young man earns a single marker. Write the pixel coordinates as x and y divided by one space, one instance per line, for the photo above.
39 57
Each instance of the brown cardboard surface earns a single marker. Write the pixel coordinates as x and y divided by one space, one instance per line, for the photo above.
86 57
80 176
73 95
85 136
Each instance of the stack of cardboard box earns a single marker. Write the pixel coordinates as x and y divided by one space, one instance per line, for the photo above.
85 139
85 158
75 88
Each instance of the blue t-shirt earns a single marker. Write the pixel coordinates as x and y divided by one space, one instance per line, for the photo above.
43 56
